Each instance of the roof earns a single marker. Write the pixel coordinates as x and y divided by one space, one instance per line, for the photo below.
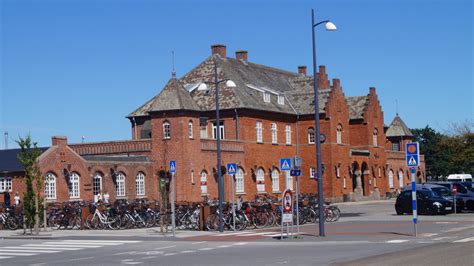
116 158
357 105
398 128
9 160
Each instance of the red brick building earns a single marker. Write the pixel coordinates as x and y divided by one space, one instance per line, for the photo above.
268 115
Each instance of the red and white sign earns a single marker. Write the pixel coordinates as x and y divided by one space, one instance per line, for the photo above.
287 206
455 189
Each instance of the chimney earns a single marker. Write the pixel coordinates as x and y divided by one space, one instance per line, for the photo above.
242 55
336 83
372 90
59 140
219 49
323 82
302 70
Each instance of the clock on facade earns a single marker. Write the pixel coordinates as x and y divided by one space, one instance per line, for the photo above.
322 138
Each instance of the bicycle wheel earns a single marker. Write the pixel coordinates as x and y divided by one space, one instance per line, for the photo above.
92 222
75 222
11 223
212 222
260 220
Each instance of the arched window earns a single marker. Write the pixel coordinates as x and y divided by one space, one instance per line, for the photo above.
339 134
274 133
50 186
97 184
140 184
288 180
166 130
120 189
203 182
375 137
260 180
311 135
239 181
74 185
275 181
390 179
190 129
400 179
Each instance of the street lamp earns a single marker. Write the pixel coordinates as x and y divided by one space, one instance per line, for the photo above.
330 27
220 183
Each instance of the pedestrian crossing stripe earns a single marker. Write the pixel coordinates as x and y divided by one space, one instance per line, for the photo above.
412 161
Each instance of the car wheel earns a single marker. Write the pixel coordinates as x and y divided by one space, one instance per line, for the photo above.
398 210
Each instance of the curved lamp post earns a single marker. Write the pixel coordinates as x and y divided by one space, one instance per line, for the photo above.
330 27
220 182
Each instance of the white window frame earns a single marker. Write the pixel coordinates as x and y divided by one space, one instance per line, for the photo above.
190 129
259 128
375 137
288 134
120 189
97 185
288 180
50 186
311 136
395 145
75 182
239 181
339 134
266 97
5 184
281 100
203 182
166 130
222 130
260 178
203 132
275 180
338 171
400 179
274 133
140 184
390 179
312 172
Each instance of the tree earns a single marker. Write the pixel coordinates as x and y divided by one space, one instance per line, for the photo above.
430 141
28 157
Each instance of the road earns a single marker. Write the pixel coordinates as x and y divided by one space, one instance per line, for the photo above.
372 237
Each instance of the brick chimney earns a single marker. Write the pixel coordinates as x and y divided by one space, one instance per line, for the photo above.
242 55
336 83
302 70
59 140
323 82
219 49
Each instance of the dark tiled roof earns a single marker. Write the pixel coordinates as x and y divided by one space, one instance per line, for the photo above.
357 105
173 97
398 128
9 160
116 158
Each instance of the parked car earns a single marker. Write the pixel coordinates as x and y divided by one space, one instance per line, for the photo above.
428 202
460 178
443 192
464 194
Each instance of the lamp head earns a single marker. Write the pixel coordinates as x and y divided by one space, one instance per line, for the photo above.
230 84
202 87
330 26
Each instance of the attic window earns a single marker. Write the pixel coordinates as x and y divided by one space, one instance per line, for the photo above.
281 100
266 97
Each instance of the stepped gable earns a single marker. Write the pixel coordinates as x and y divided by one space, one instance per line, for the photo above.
398 128
357 105
173 97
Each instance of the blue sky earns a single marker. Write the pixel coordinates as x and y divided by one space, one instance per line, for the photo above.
77 68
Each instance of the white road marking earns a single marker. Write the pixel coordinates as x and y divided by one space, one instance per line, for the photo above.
240 243
200 242
84 243
469 239
84 258
223 246
105 241
65 246
235 233
132 262
149 257
5 257
170 254
166 247
441 238
446 222
204 249
16 254
40 247
429 234
187 251
396 241
19 249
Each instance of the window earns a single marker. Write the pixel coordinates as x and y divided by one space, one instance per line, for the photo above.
260 180
74 186
190 129
275 181
221 127
140 184
339 134
203 182
375 137
259 132
395 146
274 133
312 172
311 135
239 181
288 180
5 184
50 186
344 183
288 134
166 130
390 179
97 184
400 179
203 132
266 97
281 99
338 171
120 189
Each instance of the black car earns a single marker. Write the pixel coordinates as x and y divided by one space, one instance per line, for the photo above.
464 194
428 202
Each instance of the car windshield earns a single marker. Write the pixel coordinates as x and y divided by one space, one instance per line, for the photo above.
427 193
441 191
469 185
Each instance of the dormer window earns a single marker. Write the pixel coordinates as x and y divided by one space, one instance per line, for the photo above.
266 97
281 100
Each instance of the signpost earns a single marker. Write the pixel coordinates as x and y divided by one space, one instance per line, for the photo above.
173 214
297 174
232 170
286 210
412 160
455 190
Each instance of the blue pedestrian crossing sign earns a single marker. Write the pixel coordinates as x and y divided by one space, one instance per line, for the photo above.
232 168
285 164
412 154
172 166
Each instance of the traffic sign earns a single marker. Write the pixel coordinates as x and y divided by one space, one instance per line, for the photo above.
231 168
455 189
295 172
412 154
172 166
285 164
287 207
